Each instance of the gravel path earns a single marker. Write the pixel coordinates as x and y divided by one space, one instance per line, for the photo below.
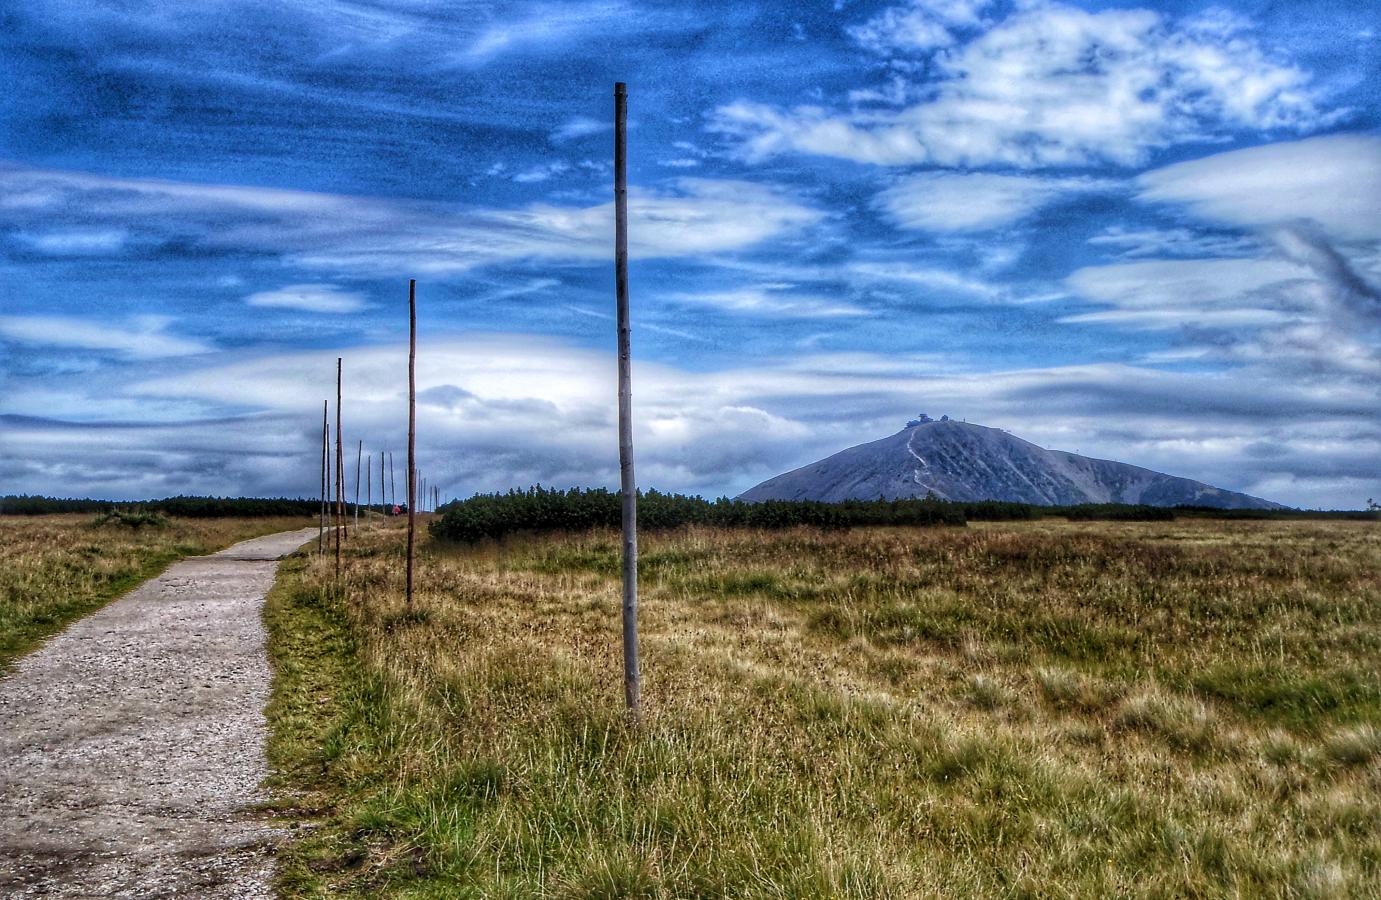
132 743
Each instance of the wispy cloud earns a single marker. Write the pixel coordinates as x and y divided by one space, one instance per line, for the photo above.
1141 242
75 241
770 301
342 233
321 298
537 25
930 277
579 127
541 173
955 201
140 337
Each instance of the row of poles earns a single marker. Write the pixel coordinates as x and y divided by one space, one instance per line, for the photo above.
632 679
432 497
333 502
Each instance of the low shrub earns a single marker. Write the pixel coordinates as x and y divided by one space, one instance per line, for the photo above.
131 518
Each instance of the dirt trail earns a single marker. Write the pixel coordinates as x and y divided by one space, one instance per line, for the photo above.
132 743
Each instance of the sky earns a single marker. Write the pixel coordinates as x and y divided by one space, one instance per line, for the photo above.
1143 232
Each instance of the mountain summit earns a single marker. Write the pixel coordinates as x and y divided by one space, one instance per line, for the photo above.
959 461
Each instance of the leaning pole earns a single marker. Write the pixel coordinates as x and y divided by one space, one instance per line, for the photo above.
632 678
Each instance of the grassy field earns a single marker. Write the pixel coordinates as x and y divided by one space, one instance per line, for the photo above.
1043 709
56 569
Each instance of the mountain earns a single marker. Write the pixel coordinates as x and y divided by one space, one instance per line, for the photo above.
959 461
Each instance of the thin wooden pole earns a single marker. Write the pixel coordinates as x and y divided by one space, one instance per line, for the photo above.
412 430
632 677
368 486
340 464
321 525
359 457
383 486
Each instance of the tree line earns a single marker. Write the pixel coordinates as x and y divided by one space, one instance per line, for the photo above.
542 509
187 507
492 516
547 509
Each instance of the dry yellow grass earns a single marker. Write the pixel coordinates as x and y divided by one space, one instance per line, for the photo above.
54 569
1043 709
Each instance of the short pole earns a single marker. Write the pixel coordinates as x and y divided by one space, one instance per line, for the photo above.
359 458
321 525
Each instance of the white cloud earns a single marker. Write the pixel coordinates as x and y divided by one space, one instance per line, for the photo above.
541 172
140 337
1334 181
322 298
578 127
75 241
920 25
770 302
942 280
1052 85
953 201
342 233
1188 285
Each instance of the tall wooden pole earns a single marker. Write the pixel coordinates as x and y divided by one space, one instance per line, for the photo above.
383 487
632 678
321 526
412 430
340 465
368 486
359 457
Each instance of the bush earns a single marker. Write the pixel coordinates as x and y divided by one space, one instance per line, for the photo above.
131 518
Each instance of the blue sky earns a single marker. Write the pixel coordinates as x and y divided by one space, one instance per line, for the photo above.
1148 233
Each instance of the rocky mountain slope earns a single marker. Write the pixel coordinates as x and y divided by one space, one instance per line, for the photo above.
959 461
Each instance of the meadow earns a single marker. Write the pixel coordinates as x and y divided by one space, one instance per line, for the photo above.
1188 708
55 569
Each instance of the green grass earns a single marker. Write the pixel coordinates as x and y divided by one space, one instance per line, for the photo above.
1033 709
56 569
